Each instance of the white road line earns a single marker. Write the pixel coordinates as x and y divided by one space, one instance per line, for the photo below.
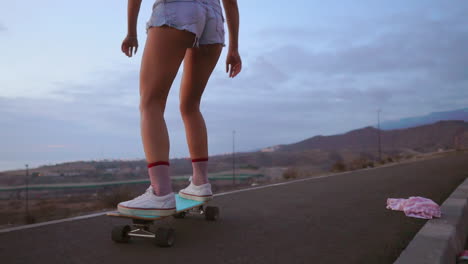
50 222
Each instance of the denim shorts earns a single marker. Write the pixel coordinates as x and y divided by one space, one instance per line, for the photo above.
204 18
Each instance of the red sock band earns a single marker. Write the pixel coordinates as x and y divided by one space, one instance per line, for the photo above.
158 163
200 159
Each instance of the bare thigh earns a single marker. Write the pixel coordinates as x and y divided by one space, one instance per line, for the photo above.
198 66
164 51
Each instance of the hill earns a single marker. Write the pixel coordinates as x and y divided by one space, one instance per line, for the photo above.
459 114
323 151
316 154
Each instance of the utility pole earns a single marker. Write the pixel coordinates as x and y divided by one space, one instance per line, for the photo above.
27 193
378 132
233 158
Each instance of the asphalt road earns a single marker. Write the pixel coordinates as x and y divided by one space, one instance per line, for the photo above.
338 219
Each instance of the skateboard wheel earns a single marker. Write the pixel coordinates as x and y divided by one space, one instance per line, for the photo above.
179 215
120 234
164 237
211 213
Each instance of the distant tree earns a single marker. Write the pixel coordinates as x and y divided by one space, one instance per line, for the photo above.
338 166
359 163
290 173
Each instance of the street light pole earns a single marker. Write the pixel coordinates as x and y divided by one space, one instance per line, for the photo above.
378 131
233 158
27 193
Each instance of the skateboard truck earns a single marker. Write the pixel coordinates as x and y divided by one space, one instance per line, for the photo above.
141 229
163 237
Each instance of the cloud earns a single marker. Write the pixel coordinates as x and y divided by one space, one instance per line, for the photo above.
2 27
434 54
412 55
302 83
407 65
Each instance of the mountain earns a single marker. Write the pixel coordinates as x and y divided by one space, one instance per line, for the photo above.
317 154
460 114
425 138
323 151
364 138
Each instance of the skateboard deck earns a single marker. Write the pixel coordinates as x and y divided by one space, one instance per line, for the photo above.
182 205
163 237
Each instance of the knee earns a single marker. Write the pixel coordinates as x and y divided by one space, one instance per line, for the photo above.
189 108
151 101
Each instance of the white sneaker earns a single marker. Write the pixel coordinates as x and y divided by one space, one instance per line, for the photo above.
198 193
149 204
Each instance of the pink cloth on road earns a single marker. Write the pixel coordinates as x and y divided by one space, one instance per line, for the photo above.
415 206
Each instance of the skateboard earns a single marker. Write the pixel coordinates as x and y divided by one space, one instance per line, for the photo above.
142 225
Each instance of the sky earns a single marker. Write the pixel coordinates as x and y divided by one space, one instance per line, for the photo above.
68 93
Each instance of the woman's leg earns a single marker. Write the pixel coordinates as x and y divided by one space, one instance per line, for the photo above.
198 66
164 51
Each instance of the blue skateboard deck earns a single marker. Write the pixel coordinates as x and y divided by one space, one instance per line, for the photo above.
182 205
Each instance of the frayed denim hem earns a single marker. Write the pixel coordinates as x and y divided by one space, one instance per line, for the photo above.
196 42
203 18
183 27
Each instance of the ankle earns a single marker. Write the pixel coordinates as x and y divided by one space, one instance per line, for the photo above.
160 178
198 182
200 171
160 194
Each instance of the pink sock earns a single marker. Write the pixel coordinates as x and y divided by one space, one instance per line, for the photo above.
200 171
159 176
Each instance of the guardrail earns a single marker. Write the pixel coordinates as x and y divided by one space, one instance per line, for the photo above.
225 177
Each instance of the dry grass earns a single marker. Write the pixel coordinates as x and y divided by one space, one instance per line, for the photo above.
338 166
119 194
290 173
